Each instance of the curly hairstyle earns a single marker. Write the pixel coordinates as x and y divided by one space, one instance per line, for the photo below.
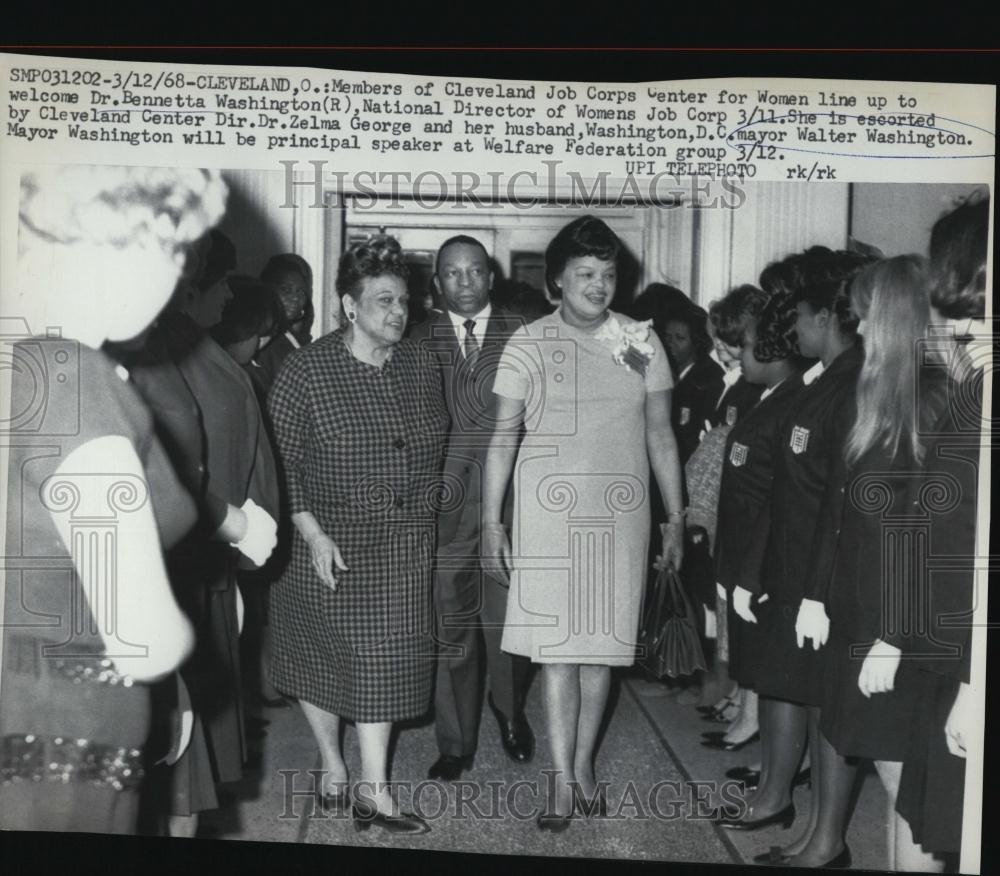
586 236
378 256
958 259
787 274
120 207
776 337
730 315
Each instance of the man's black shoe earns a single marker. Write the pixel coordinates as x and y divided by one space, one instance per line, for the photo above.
449 767
516 736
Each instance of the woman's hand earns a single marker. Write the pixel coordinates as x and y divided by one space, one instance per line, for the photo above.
812 623
495 553
325 557
958 727
672 552
878 672
260 536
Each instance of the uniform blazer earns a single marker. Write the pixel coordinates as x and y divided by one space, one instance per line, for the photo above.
866 540
951 461
473 406
693 401
753 450
812 446
271 358
737 400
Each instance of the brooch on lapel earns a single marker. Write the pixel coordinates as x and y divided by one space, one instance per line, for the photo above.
629 343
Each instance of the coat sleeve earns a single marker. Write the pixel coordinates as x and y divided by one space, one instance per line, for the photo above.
826 535
288 404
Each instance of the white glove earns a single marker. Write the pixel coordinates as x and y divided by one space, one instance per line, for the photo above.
261 536
741 604
711 624
721 592
878 672
812 623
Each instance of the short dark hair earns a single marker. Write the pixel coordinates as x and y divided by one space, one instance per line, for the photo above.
586 236
696 319
285 263
378 256
458 238
254 310
657 302
826 283
217 261
731 313
958 259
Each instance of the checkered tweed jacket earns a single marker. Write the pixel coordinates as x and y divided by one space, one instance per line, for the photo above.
362 451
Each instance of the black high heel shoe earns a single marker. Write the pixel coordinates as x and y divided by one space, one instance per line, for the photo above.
722 745
751 778
365 816
784 817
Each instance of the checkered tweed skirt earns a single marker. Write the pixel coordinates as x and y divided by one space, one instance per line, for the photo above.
364 651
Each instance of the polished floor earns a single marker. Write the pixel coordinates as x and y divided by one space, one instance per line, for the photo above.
663 785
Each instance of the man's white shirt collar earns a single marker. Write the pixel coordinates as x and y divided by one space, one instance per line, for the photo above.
478 330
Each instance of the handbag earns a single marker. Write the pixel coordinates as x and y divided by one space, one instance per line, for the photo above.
668 638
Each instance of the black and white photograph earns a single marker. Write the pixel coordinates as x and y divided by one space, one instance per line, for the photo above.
566 515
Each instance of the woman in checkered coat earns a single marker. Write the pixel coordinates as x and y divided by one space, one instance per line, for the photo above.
360 421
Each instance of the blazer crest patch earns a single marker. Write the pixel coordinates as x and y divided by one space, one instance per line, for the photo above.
800 439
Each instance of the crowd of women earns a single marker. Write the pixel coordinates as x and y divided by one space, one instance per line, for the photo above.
285 493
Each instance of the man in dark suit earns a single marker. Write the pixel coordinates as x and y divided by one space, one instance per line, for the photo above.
467 338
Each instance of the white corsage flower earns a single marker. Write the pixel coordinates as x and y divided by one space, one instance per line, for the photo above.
629 343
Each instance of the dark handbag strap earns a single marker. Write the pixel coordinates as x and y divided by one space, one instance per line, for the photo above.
655 610
679 602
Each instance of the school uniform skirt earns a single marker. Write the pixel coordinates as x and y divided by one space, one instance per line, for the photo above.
932 787
746 644
876 727
784 671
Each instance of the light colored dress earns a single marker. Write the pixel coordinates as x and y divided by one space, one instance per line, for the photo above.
581 499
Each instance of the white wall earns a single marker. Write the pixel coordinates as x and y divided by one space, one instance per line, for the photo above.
254 220
898 218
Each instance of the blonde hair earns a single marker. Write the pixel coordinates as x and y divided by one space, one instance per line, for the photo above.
120 206
892 297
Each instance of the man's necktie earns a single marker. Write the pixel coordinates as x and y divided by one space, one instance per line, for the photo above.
471 347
